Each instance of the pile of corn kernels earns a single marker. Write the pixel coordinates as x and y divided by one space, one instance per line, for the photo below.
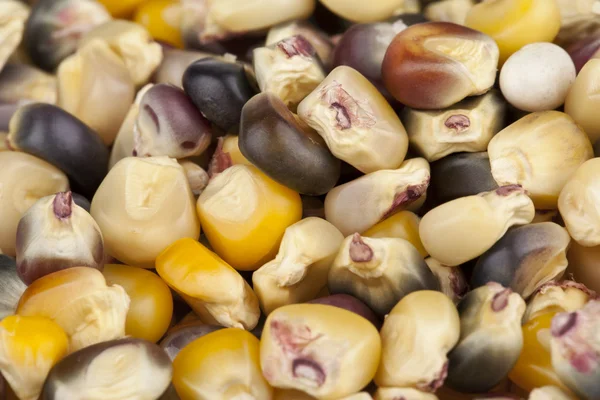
299 199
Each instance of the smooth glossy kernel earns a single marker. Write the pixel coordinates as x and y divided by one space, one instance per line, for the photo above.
214 290
244 215
515 23
221 365
437 64
29 348
151 306
463 229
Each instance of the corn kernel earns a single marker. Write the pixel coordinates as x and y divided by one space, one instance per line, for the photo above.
222 365
151 307
309 347
142 206
578 202
361 203
379 271
534 366
162 19
403 225
79 300
29 348
244 215
463 229
583 265
95 86
515 23
231 147
540 151
214 290
582 102
565 296
121 8
417 356
300 270
24 179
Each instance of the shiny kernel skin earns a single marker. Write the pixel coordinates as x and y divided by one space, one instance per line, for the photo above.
214 290
244 215
534 366
515 23
403 225
29 348
310 347
221 365
437 64
151 306
582 101
161 18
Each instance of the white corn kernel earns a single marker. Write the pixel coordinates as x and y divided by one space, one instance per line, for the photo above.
463 229
356 121
359 204
299 272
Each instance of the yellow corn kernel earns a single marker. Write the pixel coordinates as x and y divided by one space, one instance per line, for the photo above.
221 365
121 8
534 366
310 347
29 348
231 147
151 307
162 19
244 215
214 290
403 225
78 299
515 23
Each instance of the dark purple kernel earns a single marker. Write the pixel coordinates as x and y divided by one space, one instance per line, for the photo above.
359 250
62 205
342 117
508 189
458 122
134 153
154 117
500 300
319 375
563 323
